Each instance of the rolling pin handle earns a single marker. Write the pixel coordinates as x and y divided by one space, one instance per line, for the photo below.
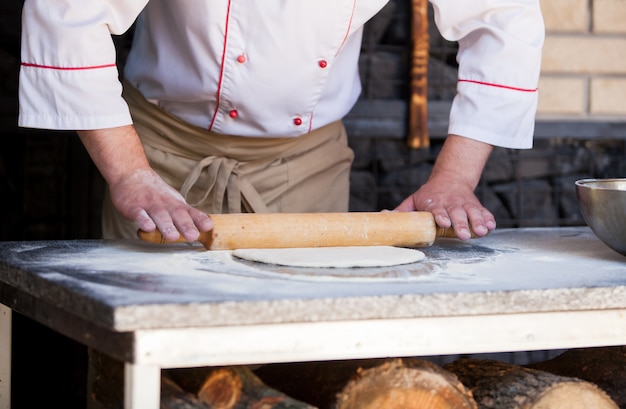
151 236
155 236
449 233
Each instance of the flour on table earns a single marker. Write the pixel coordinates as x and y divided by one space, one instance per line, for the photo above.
333 257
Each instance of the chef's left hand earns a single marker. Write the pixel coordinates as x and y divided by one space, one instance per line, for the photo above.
452 204
449 192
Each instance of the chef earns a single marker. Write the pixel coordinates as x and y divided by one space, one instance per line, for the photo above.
236 106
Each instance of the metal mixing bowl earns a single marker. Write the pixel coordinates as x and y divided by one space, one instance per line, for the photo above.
603 206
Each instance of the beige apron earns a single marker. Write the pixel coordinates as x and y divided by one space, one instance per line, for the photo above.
232 174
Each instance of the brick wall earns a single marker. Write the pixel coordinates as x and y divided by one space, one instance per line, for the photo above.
584 60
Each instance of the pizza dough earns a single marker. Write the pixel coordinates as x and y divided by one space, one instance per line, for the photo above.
333 257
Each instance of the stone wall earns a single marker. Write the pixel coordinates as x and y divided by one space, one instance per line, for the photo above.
523 188
584 60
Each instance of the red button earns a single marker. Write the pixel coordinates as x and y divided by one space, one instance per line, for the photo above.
233 114
241 59
297 121
323 63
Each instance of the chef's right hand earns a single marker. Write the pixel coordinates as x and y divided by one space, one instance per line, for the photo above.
137 191
144 198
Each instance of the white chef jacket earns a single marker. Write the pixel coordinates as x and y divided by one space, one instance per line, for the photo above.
264 68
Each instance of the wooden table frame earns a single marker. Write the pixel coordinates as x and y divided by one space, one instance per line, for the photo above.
582 305
176 348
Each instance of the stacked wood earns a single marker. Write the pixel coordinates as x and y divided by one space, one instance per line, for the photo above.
232 387
407 383
605 367
235 387
499 385
174 397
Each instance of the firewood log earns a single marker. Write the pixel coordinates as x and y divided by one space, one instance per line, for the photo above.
405 384
499 385
174 397
232 387
605 367
369 384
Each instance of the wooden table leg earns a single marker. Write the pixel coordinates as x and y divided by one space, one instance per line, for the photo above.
5 357
142 386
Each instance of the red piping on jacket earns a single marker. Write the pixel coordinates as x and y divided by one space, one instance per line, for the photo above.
52 67
489 84
219 83
345 37
349 26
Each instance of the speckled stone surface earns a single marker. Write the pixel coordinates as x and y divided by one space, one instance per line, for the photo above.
129 285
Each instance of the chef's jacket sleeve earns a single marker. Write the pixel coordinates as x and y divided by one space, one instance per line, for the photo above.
500 43
68 78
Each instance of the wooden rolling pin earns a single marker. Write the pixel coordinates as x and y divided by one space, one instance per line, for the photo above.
289 230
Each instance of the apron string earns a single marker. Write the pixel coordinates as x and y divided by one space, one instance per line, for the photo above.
226 183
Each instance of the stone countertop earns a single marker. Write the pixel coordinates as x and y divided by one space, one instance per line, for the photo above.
130 285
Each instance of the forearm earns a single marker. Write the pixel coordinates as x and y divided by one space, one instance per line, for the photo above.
117 152
461 160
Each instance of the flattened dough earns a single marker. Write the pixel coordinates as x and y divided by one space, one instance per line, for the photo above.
333 257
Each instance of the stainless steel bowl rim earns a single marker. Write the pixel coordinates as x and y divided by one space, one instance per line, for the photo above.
597 183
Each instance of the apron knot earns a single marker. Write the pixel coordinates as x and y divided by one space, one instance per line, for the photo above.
223 190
